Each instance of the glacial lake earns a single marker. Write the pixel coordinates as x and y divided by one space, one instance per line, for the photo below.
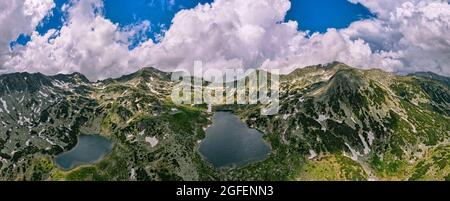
89 149
230 143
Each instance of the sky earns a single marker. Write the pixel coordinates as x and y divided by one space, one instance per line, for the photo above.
313 15
109 38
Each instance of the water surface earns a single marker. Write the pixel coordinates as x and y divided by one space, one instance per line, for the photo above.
89 149
229 142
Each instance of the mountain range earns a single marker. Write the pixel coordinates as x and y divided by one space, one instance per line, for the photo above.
335 122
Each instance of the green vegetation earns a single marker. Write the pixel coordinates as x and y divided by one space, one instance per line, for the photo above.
332 168
435 165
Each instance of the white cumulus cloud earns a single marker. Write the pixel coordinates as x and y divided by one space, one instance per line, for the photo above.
87 43
408 35
405 36
19 17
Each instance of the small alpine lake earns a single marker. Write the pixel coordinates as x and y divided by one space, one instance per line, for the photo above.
230 142
89 149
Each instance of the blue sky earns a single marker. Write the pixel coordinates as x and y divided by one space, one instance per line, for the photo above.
319 15
312 15
397 36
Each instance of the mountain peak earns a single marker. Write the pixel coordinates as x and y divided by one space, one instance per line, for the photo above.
73 77
317 70
151 69
147 73
335 64
431 75
22 81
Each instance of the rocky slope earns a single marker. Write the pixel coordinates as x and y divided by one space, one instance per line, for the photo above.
389 125
335 123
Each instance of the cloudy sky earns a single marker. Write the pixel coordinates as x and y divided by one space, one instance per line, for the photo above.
105 38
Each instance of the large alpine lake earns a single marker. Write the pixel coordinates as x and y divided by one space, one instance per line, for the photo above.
89 149
230 143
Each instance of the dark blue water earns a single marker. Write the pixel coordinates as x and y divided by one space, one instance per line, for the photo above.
230 143
89 149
